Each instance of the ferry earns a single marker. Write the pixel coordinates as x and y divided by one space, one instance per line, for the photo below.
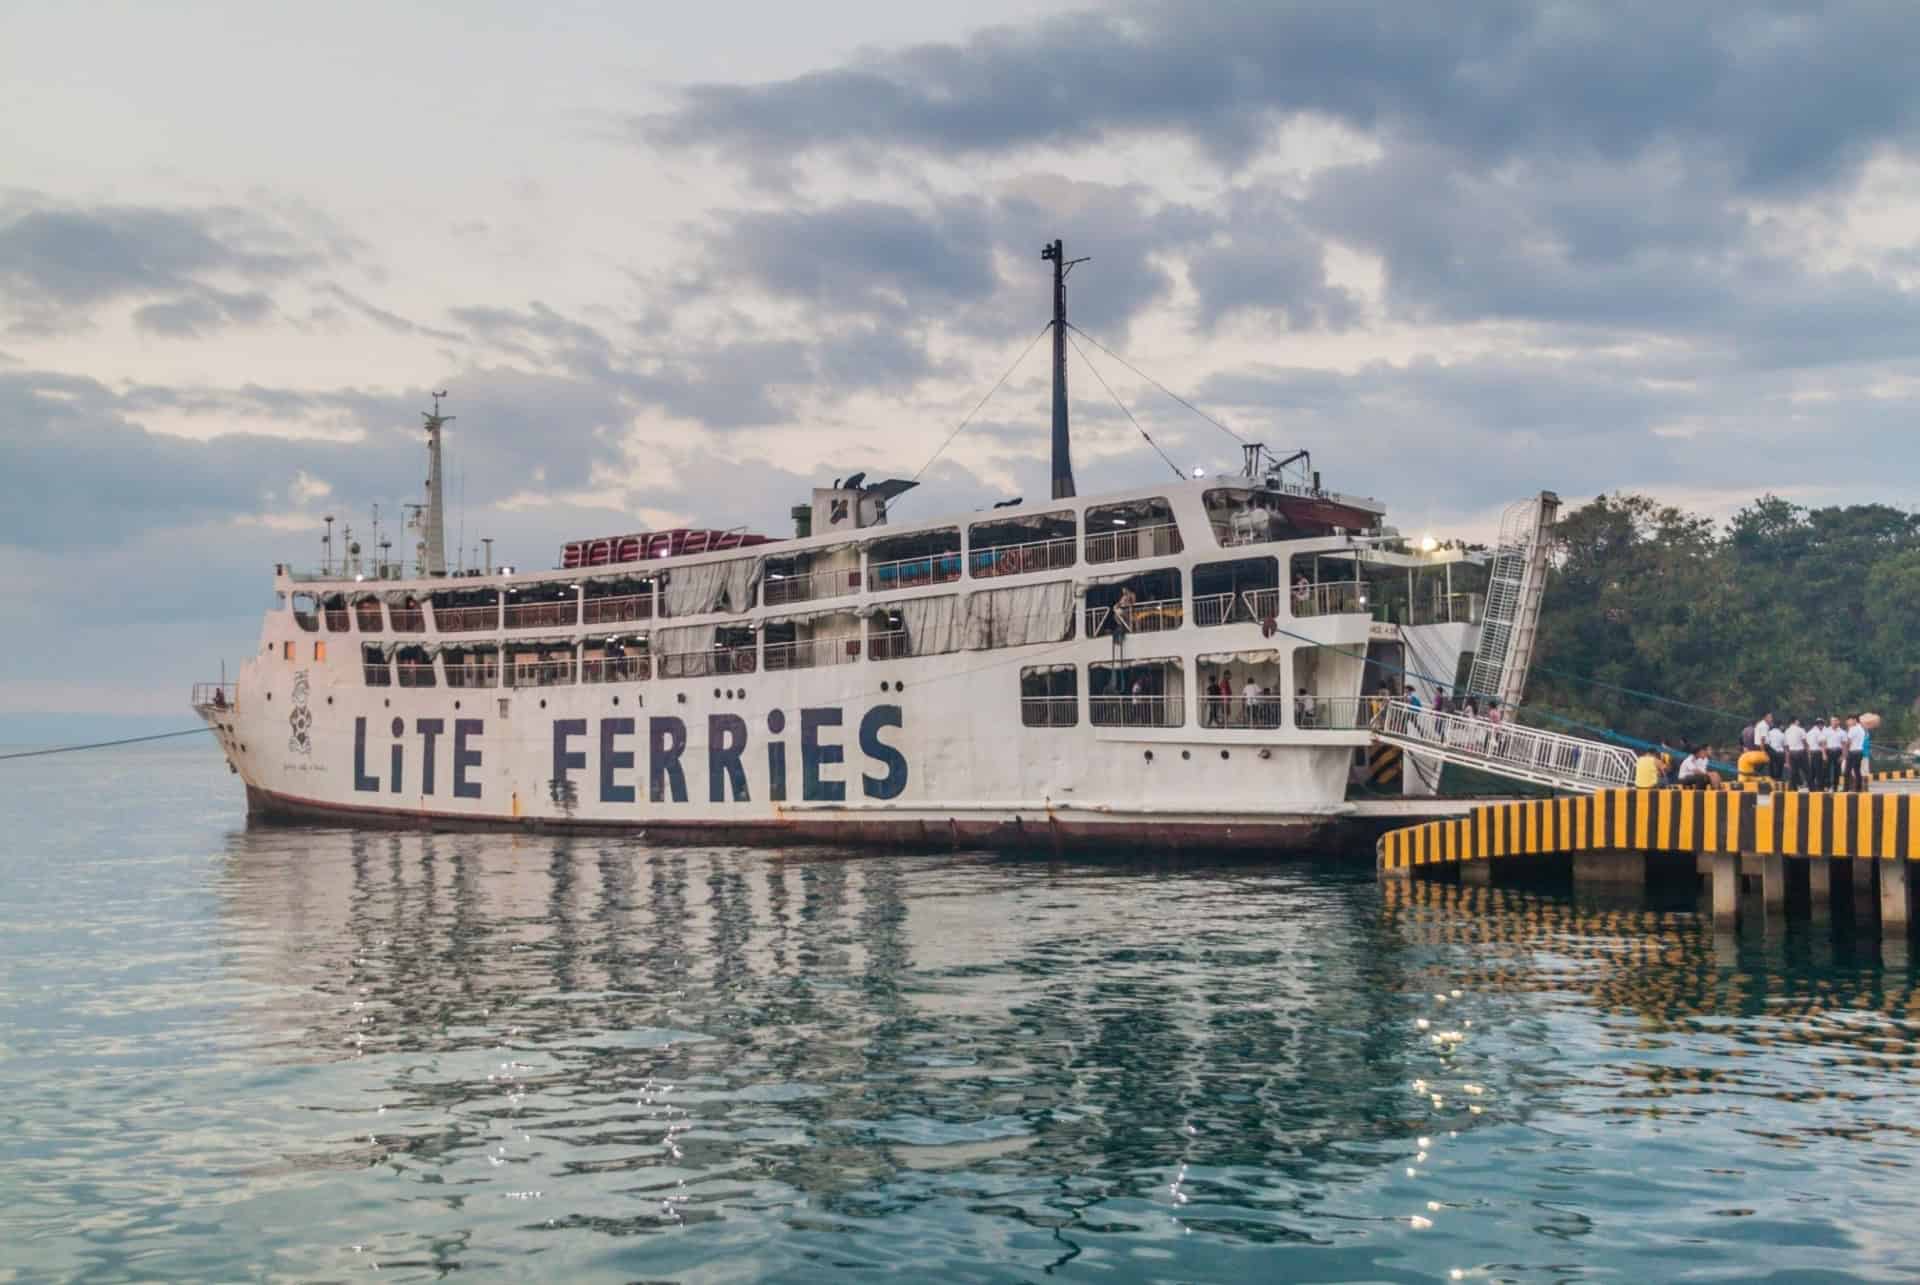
1188 664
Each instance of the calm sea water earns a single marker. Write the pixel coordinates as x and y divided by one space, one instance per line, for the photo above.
322 1054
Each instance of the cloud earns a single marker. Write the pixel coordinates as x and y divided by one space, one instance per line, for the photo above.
60 264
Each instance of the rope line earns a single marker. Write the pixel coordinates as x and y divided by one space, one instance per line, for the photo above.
1123 407
1157 384
101 745
982 402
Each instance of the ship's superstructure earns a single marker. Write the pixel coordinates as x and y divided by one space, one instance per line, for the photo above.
1181 664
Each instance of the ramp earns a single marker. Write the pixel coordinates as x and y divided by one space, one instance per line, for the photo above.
1515 582
1552 759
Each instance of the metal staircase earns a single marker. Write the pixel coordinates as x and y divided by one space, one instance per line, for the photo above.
1564 762
1516 580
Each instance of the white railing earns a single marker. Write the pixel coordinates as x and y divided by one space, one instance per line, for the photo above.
472 673
1123 544
376 673
888 644
911 573
368 616
1262 711
810 586
415 675
1334 713
1508 749
1216 608
540 673
464 620
811 653
712 660
408 620
1050 711
1019 559
1328 598
613 611
1154 617
338 621
616 669
216 696
1453 608
1136 711
543 615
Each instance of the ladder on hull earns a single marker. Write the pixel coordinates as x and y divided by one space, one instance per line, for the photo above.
1570 763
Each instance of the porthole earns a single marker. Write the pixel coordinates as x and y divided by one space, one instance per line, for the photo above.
329 700
1186 754
386 704
716 693
681 697
616 700
1149 756
543 704
1225 754
456 704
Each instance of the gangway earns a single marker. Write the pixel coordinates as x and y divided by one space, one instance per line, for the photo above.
1553 759
1516 579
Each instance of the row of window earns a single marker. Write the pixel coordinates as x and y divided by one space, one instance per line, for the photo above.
1234 690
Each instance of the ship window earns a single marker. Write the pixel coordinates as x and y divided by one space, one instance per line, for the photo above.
286 650
367 615
696 651
833 572
1137 693
1147 602
1016 546
1323 585
614 600
1135 529
810 641
911 561
1050 696
1040 613
306 611
1238 592
319 649
475 665
916 627
337 617
621 658
374 667
1224 697
1323 685
414 665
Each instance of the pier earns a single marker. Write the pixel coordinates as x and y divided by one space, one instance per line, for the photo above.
1807 849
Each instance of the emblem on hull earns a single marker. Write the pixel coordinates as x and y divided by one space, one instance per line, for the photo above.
300 720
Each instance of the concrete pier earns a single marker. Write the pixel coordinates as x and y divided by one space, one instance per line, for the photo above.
1895 901
1773 885
1820 888
1610 870
1726 891
1866 901
1477 874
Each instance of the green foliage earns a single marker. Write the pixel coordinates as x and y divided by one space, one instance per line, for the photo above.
1802 612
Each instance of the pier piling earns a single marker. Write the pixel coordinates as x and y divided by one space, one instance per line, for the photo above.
1820 888
1773 884
1726 890
1895 902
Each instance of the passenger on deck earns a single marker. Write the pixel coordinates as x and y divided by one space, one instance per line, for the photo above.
1303 709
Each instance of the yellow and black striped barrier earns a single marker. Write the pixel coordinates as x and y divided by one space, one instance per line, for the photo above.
1900 774
1791 823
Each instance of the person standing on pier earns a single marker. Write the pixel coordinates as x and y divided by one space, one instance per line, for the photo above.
1836 755
1856 754
1795 740
1776 752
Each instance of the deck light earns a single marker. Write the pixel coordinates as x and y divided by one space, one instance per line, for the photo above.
1428 544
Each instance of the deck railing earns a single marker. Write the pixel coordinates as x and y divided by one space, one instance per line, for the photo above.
543 615
415 674
1262 711
1152 617
376 673
1453 608
1325 598
1567 761
540 673
465 620
472 673
616 669
338 620
911 573
408 620
1137 711
613 611
711 660
1157 540
810 586
811 653
369 618
891 644
1050 711
1019 559
1219 608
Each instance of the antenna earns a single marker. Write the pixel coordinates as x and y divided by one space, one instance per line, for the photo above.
326 547
436 524
1056 253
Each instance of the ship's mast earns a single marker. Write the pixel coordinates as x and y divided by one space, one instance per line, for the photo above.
1062 446
436 555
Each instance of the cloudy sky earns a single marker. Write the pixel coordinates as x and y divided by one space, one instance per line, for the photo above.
679 263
